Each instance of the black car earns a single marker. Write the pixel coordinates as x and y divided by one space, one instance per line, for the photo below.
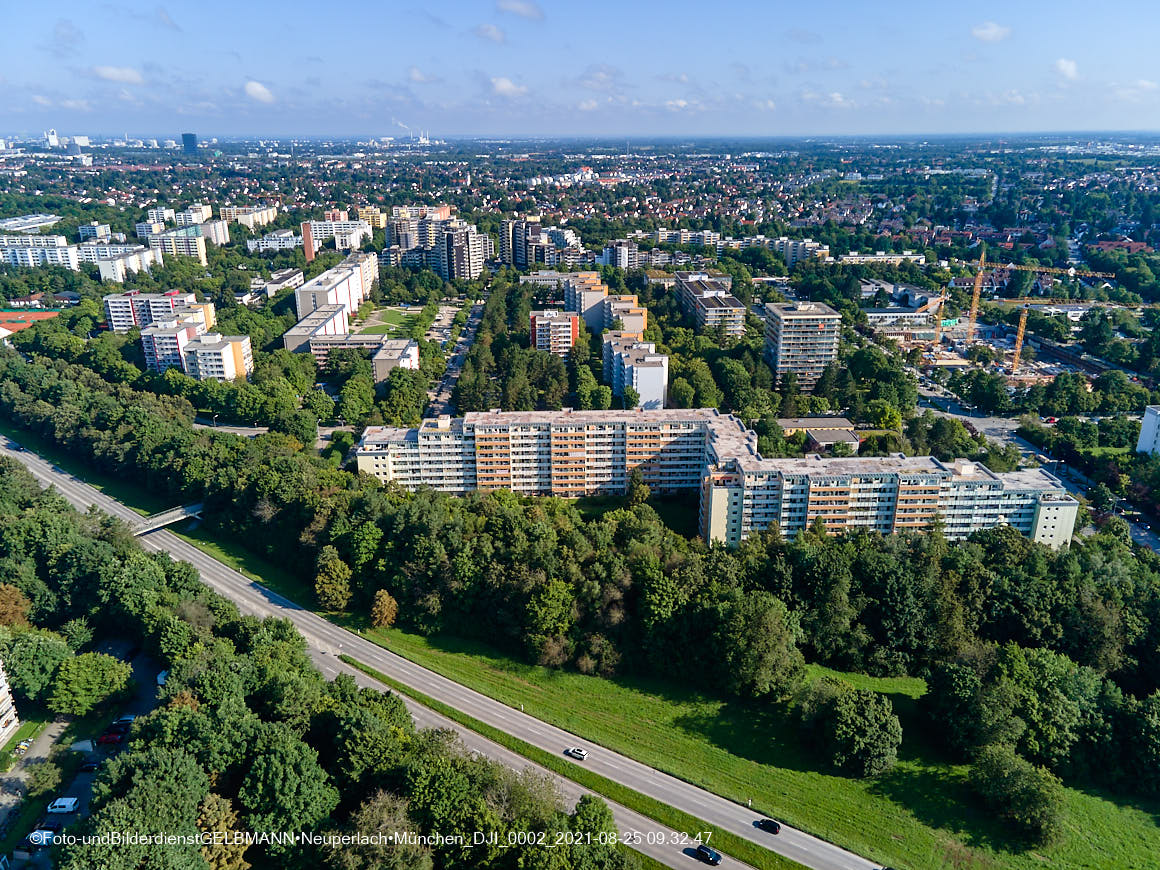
708 855
51 823
90 765
770 825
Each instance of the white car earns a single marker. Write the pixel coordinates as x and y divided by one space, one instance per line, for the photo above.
576 752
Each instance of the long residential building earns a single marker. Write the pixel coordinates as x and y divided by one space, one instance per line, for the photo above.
347 234
250 216
1149 440
330 319
279 240
801 338
123 311
710 303
38 251
578 453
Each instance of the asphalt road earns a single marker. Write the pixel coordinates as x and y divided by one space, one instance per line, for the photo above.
440 397
331 640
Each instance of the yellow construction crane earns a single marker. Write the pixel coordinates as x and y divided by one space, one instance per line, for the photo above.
1046 270
1019 338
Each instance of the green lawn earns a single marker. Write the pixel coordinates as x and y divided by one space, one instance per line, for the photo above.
393 319
30 726
679 513
921 815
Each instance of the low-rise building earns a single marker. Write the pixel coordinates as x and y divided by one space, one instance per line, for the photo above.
332 319
279 240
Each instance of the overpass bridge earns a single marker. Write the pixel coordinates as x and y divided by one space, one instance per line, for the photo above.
166 518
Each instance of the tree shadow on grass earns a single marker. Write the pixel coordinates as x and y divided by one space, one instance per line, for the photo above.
766 734
941 798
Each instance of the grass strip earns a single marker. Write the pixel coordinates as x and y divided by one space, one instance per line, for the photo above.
731 844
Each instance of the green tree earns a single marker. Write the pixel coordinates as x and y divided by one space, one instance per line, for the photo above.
43 777
882 415
631 396
285 788
332 580
681 393
856 729
756 648
1029 797
84 682
638 490
380 817
14 605
32 660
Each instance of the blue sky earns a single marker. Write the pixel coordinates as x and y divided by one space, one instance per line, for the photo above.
594 67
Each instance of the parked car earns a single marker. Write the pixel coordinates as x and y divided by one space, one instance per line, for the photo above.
576 752
127 719
119 728
49 823
63 805
708 855
770 825
90 765
111 738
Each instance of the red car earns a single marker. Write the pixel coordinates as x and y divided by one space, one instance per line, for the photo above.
111 737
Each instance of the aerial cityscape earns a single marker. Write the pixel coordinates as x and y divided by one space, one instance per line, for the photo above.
595 438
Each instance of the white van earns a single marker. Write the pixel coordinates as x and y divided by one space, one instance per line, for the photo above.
63 805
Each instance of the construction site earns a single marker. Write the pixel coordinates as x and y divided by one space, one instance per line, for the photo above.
955 342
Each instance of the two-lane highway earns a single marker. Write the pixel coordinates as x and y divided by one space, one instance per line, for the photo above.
332 640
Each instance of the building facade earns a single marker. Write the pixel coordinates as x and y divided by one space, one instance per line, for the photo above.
710 303
218 357
554 331
9 721
577 453
1149 441
802 338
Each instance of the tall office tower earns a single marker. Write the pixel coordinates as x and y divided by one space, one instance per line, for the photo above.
189 143
801 337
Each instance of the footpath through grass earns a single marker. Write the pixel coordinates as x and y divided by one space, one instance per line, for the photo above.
737 847
920 815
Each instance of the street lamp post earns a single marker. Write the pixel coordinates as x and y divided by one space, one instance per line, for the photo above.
215 416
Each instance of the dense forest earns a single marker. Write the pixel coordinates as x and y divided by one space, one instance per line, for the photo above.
248 735
1053 653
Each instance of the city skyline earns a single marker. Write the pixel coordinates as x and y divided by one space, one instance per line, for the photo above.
518 68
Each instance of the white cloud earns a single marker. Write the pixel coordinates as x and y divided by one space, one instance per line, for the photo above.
764 105
502 86
126 75
491 33
258 91
1069 69
418 76
75 105
989 31
831 100
523 8
676 105
1146 85
587 105
41 100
